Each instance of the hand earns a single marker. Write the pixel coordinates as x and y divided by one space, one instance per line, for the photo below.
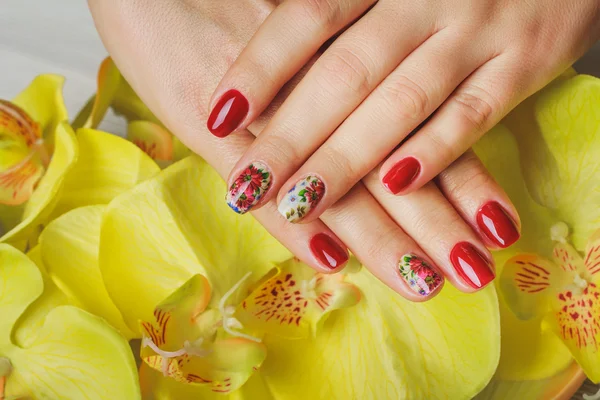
173 54
461 63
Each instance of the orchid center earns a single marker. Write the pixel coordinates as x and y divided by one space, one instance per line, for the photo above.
5 369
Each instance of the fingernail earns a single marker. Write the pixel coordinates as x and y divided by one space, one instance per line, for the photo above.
497 225
228 113
327 251
248 188
401 175
419 275
299 200
471 266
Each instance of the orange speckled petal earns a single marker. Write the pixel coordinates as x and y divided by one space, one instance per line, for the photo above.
152 139
592 256
567 258
18 182
527 283
16 123
576 320
294 302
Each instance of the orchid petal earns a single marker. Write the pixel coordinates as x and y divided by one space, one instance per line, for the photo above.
386 347
592 256
107 166
295 300
152 139
69 249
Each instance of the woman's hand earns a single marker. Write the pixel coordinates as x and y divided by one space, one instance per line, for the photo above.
173 54
461 63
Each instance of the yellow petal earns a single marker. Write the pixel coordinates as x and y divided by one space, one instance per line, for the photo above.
528 283
107 166
529 352
386 347
558 131
157 387
29 324
43 101
295 300
178 341
152 139
69 248
175 225
75 355
44 198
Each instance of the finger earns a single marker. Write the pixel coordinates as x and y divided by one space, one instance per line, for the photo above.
387 252
428 218
405 98
336 84
315 244
284 43
480 201
476 106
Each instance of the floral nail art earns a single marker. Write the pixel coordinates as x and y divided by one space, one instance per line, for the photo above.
248 188
305 195
421 278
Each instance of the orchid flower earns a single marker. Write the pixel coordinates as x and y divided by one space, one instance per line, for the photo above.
143 128
549 280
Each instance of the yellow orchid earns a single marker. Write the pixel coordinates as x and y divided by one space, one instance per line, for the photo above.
220 306
549 279
143 128
49 350
30 134
49 169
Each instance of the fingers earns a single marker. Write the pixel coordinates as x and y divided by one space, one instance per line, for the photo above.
429 219
405 98
336 84
315 244
480 201
284 43
475 107
383 247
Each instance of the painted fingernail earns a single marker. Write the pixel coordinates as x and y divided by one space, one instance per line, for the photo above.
248 188
327 251
419 275
497 225
303 197
401 175
228 113
471 266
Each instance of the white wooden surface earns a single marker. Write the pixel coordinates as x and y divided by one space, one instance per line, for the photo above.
58 36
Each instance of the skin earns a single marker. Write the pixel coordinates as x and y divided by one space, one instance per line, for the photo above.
392 65
174 53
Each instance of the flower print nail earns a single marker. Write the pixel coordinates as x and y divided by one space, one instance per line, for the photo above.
419 275
304 196
248 188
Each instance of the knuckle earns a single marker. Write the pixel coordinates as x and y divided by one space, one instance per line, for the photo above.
405 98
476 106
324 13
279 150
437 144
346 67
347 167
379 242
469 177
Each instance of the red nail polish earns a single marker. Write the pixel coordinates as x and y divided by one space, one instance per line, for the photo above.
228 113
327 251
471 266
401 175
497 225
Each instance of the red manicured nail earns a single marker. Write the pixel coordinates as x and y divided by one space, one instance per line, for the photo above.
229 112
331 254
401 175
471 266
497 225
